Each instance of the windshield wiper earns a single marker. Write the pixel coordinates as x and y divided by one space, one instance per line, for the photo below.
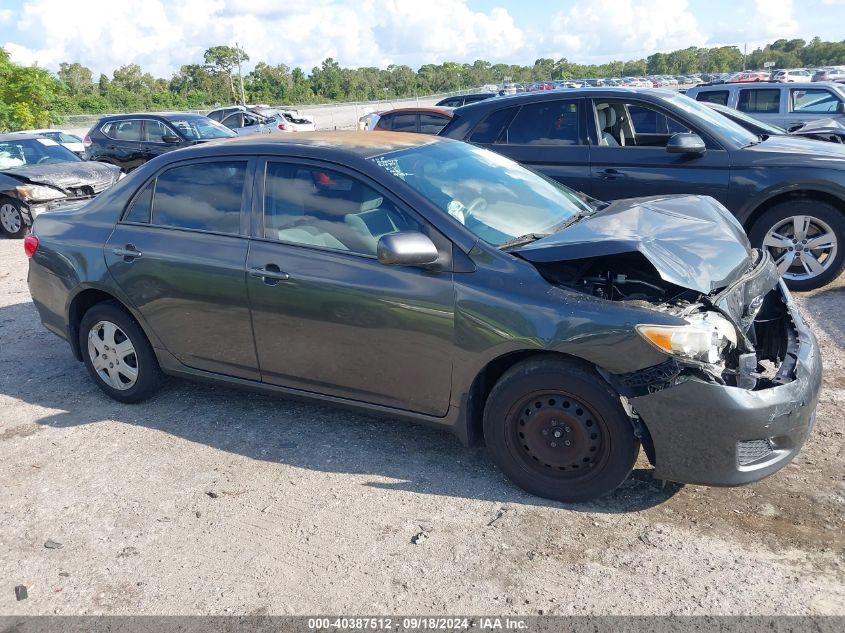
522 240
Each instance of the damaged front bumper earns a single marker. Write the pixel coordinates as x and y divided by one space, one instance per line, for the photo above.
717 434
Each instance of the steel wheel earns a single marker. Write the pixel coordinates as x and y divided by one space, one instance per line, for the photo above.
112 355
558 434
11 218
802 246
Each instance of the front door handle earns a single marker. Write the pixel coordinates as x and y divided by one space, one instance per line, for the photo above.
611 174
130 253
271 271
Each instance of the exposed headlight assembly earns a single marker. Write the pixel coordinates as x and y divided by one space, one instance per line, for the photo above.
705 337
38 192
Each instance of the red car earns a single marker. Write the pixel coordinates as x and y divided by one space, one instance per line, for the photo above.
747 76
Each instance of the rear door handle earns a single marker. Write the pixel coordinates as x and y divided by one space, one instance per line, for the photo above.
129 253
611 174
270 272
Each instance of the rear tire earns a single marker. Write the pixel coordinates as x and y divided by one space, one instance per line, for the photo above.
117 354
558 431
797 224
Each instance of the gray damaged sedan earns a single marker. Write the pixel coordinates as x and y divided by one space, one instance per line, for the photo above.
431 280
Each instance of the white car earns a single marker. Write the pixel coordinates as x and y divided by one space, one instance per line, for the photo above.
68 141
289 119
792 74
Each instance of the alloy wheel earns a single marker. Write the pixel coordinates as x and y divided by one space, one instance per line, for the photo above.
802 247
112 355
10 218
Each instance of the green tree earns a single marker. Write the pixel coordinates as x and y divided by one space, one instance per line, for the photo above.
223 60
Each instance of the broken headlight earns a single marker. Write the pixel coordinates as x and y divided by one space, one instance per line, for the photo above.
705 337
38 192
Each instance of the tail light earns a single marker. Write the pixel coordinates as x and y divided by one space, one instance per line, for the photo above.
30 245
282 126
87 140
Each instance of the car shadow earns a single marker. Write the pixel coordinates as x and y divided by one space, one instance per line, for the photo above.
825 306
399 456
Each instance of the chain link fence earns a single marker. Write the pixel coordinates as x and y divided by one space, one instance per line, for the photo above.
327 116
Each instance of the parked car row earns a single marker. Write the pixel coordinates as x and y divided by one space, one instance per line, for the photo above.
429 279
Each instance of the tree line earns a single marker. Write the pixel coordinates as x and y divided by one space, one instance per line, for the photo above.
34 97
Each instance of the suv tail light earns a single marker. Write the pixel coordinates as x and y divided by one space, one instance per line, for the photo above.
87 140
30 245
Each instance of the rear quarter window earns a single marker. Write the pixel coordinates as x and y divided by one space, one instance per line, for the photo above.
492 126
713 96
759 100
545 123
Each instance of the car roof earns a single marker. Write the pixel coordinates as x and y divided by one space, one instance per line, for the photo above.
152 115
38 131
769 84
19 136
340 142
553 95
435 109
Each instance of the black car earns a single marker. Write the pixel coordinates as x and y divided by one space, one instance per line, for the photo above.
37 174
461 100
788 192
427 279
130 140
829 130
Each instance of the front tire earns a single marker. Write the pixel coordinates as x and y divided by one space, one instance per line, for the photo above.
117 354
806 239
12 218
558 431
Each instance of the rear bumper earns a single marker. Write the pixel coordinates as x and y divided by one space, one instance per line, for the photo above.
711 434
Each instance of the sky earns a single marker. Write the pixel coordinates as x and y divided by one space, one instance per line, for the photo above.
161 35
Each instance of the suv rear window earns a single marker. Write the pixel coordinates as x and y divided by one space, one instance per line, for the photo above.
760 100
491 128
713 96
545 123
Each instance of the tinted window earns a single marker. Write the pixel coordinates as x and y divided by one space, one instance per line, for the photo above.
155 130
203 196
141 207
545 123
489 130
431 123
713 96
454 102
384 122
126 130
234 121
759 100
811 100
327 209
404 123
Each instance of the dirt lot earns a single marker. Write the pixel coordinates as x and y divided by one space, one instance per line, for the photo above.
207 500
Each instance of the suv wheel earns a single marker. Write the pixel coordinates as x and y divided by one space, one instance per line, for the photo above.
806 238
557 430
11 218
117 354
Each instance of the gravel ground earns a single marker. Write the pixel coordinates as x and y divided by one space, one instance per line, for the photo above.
212 501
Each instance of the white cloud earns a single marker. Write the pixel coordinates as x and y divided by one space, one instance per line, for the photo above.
626 29
160 35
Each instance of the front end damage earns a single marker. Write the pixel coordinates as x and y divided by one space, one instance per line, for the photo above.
735 399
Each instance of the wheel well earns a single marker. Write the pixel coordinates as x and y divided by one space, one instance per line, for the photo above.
804 194
487 378
81 303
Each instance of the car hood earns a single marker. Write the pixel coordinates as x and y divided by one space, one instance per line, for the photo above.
820 126
66 175
692 241
790 149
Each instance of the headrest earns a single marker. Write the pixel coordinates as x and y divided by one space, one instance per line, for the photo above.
611 117
602 114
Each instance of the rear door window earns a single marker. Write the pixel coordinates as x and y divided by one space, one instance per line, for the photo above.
205 196
713 96
812 100
492 126
123 130
759 100
545 123
404 123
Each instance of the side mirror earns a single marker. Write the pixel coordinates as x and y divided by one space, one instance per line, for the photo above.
171 139
685 143
840 107
406 248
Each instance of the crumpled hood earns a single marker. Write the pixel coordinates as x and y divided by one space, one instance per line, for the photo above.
692 241
820 126
66 175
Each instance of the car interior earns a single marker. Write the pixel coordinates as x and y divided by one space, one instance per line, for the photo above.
634 125
327 209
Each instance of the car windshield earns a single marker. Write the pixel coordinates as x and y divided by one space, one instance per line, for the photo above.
30 152
709 119
61 137
201 128
494 197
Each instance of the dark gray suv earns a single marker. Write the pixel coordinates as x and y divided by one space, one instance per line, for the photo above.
431 280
